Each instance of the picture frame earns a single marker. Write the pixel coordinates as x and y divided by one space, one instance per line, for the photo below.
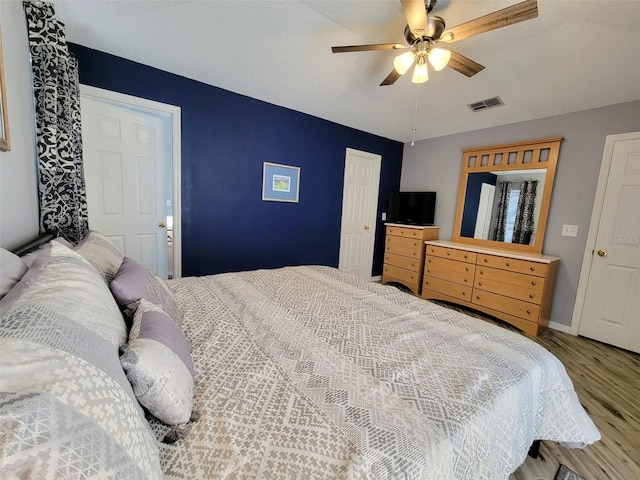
5 144
280 183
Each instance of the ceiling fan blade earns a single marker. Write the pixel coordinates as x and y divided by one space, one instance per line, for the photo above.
367 48
415 12
507 16
391 78
464 65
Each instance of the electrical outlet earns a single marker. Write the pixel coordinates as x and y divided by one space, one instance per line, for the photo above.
570 230
384 216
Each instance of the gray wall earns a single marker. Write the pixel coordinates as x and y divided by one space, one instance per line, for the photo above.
434 164
18 195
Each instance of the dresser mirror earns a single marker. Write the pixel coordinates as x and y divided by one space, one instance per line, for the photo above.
504 195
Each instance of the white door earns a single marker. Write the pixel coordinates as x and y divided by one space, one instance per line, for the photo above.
124 164
359 211
612 298
483 219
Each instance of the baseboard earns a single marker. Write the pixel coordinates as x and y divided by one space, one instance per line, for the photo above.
377 279
560 327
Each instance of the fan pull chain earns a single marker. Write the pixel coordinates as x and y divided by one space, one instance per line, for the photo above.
415 116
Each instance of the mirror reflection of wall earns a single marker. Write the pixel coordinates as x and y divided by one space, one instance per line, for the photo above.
503 206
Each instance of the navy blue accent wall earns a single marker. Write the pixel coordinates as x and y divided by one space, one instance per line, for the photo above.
226 137
472 201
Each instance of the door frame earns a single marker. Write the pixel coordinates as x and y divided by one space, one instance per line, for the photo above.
594 225
173 112
375 194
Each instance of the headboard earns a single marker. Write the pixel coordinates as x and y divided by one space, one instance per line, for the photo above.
33 244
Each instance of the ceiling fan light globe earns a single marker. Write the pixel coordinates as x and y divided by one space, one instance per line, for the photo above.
420 72
439 58
402 63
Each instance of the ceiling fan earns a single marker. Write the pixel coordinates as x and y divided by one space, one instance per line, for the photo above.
424 31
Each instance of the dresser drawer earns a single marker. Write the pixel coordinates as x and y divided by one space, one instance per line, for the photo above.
408 263
517 308
402 274
451 270
444 252
509 278
509 290
404 246
448 288
513 265
405 232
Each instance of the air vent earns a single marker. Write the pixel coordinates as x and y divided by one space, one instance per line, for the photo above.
484 104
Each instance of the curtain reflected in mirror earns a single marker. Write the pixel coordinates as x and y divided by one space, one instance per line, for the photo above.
514 218
502 206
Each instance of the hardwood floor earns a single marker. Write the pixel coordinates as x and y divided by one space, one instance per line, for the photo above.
607 381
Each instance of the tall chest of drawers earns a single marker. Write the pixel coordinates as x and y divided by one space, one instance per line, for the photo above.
517 288
404 254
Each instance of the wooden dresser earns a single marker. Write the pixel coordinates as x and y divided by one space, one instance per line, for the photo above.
514 287
404 254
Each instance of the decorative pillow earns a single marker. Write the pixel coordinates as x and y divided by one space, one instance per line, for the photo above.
12 268
101 253
158 365
133 282
67 409
31 256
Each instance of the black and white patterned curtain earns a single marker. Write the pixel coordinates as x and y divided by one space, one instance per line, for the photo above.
61 187
524 222
500 220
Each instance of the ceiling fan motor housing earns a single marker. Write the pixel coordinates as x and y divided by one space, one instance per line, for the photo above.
435 28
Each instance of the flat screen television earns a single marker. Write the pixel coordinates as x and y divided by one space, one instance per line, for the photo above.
412 208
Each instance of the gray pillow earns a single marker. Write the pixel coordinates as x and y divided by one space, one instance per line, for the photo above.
101 253
66 407
12 268
158 365
133 282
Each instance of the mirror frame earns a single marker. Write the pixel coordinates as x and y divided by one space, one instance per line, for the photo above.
513 156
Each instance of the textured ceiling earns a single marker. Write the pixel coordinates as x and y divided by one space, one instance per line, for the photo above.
578 54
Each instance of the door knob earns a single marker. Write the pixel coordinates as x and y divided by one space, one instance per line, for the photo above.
602 253
161 224
366 227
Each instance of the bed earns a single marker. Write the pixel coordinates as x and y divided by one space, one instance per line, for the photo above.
300 372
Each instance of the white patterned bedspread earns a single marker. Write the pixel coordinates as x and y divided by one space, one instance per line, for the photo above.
311 373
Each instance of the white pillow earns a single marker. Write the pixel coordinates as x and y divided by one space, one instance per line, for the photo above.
12 268
31 256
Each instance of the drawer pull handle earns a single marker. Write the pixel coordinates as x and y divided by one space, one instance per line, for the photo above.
448 253
486 261
466 269
533 269
477 297
479 284
508 264
428 271
481 272
533 282
464 293
528 312
530 295
465 257
426 283
465 280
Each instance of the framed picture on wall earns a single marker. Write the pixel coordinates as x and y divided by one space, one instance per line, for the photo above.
5 145
280 183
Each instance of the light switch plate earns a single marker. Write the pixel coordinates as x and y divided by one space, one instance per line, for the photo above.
384 216
570 230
